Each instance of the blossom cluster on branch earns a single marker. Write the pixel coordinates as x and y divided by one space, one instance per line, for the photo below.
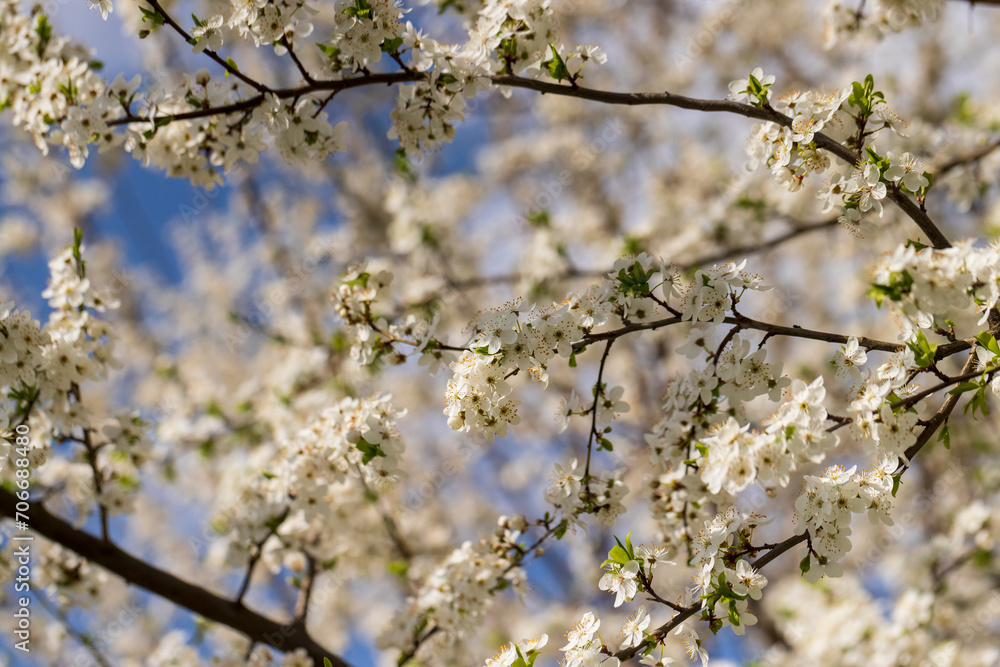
334 432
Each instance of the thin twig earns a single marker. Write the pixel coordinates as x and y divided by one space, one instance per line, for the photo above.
208 52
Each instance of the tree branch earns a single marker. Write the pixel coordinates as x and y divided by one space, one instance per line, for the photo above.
925 435
208 52
161 583
908 206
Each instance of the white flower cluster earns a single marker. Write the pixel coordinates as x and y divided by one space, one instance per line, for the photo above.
718 581
266 22
83 346
880 17
300 132
928 286
825 506
53 94
511 36
885 433
524 650
68 578
711 295
45 368
602 495
582 649
454 597
357 290
198 148
796 433
702 455
74 346
21 341
317 476
372 336
478 396
122 447
788 151
49 87
791 153
360 33
866 186
625 579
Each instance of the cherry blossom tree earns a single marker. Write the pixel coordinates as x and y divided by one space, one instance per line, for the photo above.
683 346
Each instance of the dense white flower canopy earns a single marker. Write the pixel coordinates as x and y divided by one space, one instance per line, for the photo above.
681 346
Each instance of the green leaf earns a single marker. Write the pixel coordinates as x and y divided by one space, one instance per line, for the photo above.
398 568
329 50
369 450
572 360
44 30
618 554
964 387
857 94
555 66
804 563
360 281
155 17
987 340
560 530
81 265
895 483
605 445
945 437
232 64
392 45
983 403
923 351
734 615
327 663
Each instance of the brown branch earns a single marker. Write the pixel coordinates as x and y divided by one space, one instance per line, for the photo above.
686 612
966 374
926 225
908 206
929 429
942 414
98 476
648 586
298 63
98 486
747 323
208 52
598 393
194 598
282 93
305 593
257 550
